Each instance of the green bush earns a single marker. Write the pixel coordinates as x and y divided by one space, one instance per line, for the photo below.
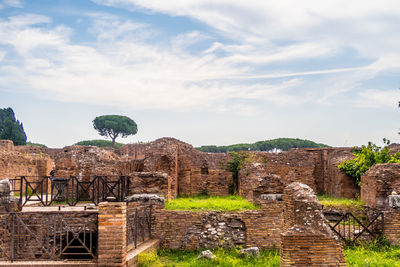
235 164
35 144
366 157
98 143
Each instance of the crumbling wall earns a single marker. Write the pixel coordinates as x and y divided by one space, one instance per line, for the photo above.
336 182
151 183
211 229
269 173
307 239
85 162
15 163
191 172
380 181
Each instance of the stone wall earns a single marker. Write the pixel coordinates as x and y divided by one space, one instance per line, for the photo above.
380 181
211 229
269 173
191 172
15 163
151 183
85 162
307 239
335 182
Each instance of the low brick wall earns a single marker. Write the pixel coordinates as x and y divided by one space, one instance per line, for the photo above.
310 250
209 229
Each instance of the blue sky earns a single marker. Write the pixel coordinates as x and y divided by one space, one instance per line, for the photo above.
206 72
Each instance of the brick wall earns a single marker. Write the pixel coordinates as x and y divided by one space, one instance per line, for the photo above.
307 239
193 230
112 234
310 250
6 145
15 163
152 183
378 183
269 173
392 226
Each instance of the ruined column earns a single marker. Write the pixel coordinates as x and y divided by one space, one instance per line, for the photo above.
307 239
112 234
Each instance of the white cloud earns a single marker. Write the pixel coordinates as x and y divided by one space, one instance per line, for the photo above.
373 98
127 68
13 3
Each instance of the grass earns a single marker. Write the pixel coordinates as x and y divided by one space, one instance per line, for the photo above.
341 203
224 257
371 255
374 254
214 203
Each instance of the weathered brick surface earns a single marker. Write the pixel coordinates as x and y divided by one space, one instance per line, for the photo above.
307 239
378 183
269 173
13 162
392 226
310 250
112 234
193 230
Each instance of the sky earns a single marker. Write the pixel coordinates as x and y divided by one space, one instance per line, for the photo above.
203 71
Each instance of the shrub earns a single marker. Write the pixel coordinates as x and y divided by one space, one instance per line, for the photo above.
366 157
98 143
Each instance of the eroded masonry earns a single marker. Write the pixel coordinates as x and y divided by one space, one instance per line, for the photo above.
126 189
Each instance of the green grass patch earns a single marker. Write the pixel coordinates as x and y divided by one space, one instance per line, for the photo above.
215 203
373 255
224 257
341 203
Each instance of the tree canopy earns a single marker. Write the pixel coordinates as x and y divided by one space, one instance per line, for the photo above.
114 125
268 145
10 128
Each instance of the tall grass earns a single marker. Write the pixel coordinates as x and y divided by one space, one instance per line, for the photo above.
215 203
340 203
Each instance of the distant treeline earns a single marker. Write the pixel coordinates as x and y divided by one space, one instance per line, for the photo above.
268 145
98 143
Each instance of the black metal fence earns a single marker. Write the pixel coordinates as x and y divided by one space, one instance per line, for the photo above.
352 230
50 190
138 225
48 236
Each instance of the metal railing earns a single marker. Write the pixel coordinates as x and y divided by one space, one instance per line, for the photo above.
350 229
138 225
48 236
50 190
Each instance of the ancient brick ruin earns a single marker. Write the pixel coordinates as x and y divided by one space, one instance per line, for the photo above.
283 184
307 240
170 167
